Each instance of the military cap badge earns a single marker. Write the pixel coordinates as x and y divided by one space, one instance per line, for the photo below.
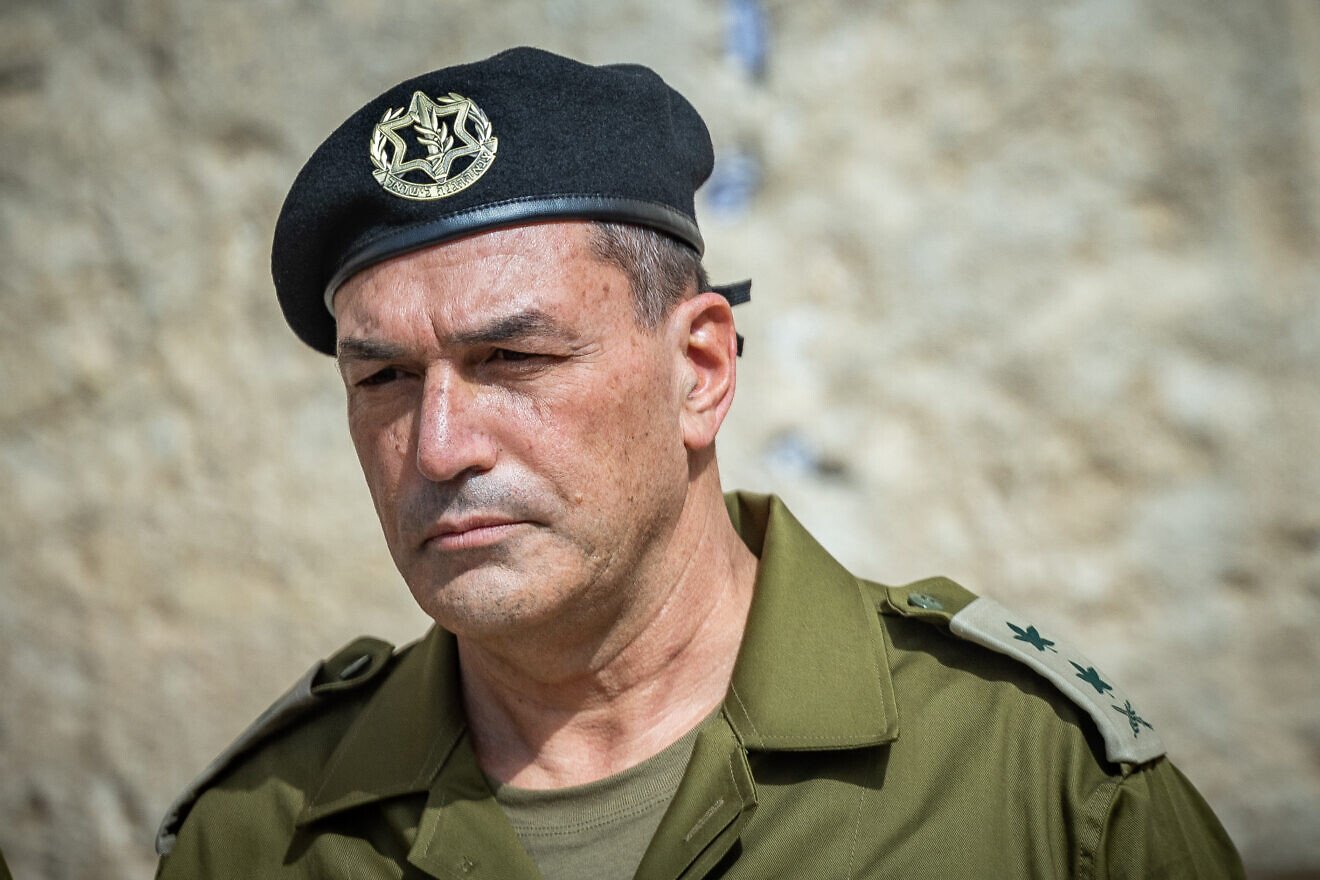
452 129
416 166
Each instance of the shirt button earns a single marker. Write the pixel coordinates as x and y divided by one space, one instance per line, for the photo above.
926 601
355 667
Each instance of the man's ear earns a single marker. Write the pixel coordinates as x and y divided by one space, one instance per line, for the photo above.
708 350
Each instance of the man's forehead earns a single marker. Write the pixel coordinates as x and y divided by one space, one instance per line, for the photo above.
542 280
547 240
511 264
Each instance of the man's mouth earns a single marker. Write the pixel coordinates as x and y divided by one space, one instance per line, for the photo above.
470 532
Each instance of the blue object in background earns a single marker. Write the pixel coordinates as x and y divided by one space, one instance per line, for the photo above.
747 36
734 182
791 453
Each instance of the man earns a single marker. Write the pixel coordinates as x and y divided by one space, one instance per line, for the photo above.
631 675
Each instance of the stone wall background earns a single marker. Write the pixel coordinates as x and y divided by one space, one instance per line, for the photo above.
1037 307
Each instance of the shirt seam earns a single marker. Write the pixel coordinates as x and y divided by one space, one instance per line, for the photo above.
857 831
597 822
425 771
1103 798
748 715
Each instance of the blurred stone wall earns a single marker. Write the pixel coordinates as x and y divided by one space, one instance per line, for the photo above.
1037 307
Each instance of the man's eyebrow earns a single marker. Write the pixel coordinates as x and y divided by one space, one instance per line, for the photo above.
532 322
352 348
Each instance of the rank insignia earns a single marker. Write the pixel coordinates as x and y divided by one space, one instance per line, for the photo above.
1128 737
455 145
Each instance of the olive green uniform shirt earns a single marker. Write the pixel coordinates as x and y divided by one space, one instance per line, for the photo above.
860 738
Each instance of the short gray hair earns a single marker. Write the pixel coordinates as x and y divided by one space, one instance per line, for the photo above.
660 269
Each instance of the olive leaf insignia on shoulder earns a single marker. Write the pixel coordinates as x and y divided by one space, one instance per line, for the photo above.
457 144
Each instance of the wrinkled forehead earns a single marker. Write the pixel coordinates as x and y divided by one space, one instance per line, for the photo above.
511 259
539 277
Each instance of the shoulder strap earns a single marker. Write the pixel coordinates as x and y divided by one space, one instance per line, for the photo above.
351 667
1129 738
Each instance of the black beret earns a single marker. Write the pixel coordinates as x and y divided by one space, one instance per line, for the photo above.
522 136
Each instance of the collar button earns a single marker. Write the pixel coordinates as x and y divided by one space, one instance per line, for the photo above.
925 601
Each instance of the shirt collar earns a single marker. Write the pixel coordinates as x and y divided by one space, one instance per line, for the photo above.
812 673
402 737
813 670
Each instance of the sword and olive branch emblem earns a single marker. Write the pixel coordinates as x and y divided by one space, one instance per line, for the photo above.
450 128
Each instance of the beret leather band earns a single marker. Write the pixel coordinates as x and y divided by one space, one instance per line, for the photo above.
510 213
521 137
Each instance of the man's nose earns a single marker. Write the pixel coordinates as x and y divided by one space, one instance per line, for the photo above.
451 434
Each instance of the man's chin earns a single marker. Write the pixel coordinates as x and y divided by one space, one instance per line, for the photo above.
483 600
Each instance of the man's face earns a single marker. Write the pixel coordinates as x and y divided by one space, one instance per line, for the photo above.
519 431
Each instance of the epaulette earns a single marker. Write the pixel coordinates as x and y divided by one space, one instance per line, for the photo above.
1129 738
347 670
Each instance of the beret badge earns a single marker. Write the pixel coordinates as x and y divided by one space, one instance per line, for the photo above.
455 136
412 168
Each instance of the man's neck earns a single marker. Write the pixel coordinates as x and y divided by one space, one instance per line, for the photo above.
538 722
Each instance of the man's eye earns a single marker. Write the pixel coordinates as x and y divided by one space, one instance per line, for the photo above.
511 356
381 377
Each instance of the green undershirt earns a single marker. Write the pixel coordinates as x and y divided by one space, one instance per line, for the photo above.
600 829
